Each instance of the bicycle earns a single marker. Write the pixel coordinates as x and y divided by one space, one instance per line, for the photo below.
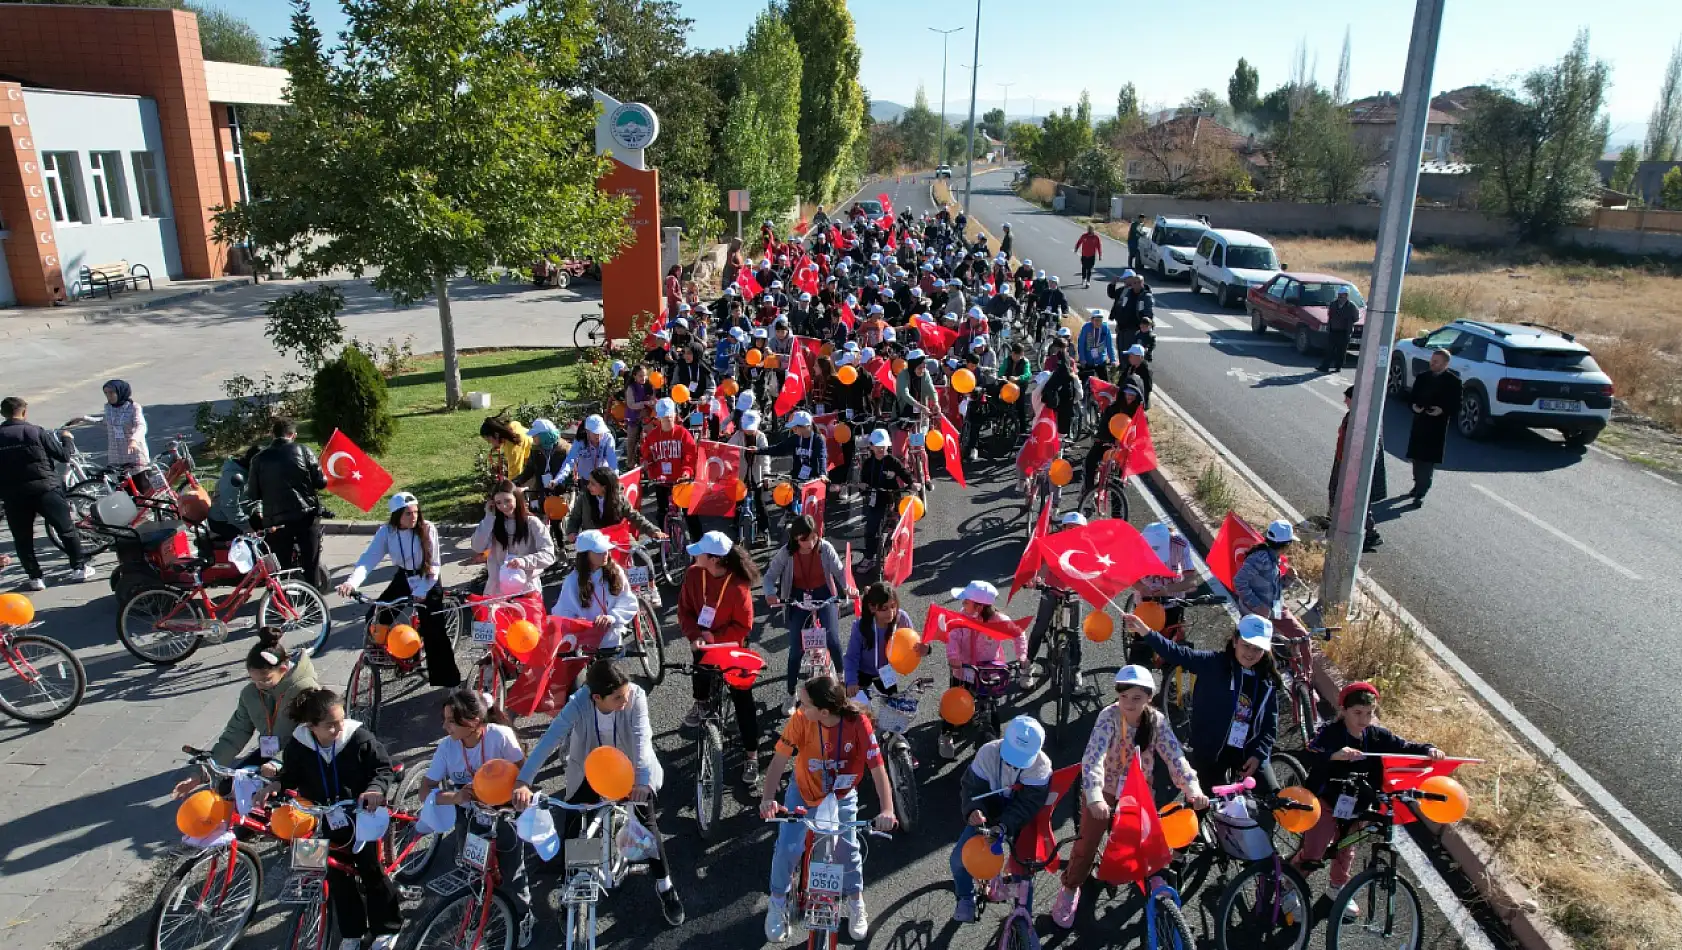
209 899
916 452
1299 713
1106 497
364 691
1067 678
721 664
1174 698
815 659
1269 903
893 714
645 627
403 856
815 898
1040 492
674 550
165 624
42 680
594 866
993 682
590 333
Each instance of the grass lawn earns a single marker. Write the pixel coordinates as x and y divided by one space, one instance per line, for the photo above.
434 451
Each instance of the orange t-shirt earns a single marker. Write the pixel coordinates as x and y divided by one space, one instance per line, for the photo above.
829 759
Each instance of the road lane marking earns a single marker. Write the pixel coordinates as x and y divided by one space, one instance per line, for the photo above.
1538 522
1194 322
80 383
1236 323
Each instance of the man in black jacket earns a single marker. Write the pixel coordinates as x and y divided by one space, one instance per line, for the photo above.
30 485
285 478
1133 300
1340 322
1435 401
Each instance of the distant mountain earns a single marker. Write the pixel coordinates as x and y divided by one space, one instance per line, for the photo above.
881 110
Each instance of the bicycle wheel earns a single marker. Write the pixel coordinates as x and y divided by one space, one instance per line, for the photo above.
902 777
403 839
1019 934
709 781
1287 771
652 641
1385 914
363 694
161 625
296 609
1248 915
205 905
589 334
467 924
1306 712
1063 683
1169 924
41 680
81 517
312 927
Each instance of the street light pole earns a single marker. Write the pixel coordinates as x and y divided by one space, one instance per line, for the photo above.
943 35
969 149
1006 110
1360 450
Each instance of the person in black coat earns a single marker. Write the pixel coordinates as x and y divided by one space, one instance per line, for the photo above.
1380 484
30 486
285 478
332 759
1435 400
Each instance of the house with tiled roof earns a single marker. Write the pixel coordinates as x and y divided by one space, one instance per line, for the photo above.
1374 119
1178 150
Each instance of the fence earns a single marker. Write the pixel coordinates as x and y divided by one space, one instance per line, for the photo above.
1662 222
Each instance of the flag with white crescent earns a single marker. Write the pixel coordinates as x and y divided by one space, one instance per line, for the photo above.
896 563
717 469
794 383
1099 560
940 621
1042 446
630 485
352 474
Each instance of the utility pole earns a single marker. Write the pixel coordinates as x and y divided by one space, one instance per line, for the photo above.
1006 110
969 149
1360 449
1033 108
943 35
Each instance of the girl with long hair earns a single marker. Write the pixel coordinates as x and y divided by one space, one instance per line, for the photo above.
716 606
597 591
806 568
410 542
517 547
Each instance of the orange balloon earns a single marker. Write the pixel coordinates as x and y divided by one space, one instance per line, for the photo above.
773 361
609 773
727 386
898 366
754 357
1097 626
1452 808
963 381
378 632
555 507
1062 473
739 490
201 813
680 394
847 375
493 783
1179 825
916 506
1119 424
843 432
980 860
957 706
783 494
16 610
934 441
1010 392
287 823
902 651
403 642
1152 614
618 412
521 636
683 493
657 379
1295 820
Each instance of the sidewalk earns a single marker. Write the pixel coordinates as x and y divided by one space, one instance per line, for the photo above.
23 321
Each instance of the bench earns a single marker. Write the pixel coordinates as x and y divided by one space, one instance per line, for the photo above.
114 276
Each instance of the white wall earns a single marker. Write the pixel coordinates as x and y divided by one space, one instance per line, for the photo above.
85 123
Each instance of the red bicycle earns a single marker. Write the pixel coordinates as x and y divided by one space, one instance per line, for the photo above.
165 624
816 897
41 679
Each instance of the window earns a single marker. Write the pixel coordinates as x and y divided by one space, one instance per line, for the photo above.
1426 147
1134 168
63 177
146 185
110 194
1218 257
1206 247
1445 338
1276 289
236 135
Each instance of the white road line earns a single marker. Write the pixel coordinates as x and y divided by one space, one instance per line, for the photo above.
1652 474
1196 323
1538 522
1236 323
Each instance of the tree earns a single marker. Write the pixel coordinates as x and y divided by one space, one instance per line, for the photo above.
831 98
223 37
921 131
1340 91
1127 103
350 395
887 152
1538 144
1023 139
1664 129
993 123
1102 169
1083 111
1063 138
498 168
1241 89
760 150
1623 174
1670 189
1207 102
1314 155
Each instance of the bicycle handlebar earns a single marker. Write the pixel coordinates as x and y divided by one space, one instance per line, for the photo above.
1233 790
362 598
202 759
830 829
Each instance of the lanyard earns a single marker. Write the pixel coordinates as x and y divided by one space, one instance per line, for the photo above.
721 592
466 763
830 769
332 791
270 711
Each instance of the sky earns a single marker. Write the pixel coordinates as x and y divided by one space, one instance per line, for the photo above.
1050 50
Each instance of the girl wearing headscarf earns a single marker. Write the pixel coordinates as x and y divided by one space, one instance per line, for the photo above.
125 426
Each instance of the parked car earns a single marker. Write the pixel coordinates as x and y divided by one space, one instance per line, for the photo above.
1296 305
1168 246
873 210
1230 262
1521 375
944 171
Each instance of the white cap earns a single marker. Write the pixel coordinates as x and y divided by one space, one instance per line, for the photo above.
1256 631
683 307
867 354
617 367
979 592
402 500
1279 531
1040 275
1063 332
665 409
595 542
976 312
939 283
1158 536
1021 742
682 322
541 427
776 285
1135 350
916 291
1072 518
760 333
744 400
730 291
801 418
716 543
1135 675
881 438
915 354
595 425
851 346
737 333
844 359
876 308
805 297
1343 290
979 343
1126 274
1095 313
852 300
662 335
1053 278
1029 262
750 421
889 335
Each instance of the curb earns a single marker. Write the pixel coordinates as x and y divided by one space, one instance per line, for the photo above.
1509 900
369 528
54 319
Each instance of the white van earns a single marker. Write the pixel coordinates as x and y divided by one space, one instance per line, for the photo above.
1168 246
1229 263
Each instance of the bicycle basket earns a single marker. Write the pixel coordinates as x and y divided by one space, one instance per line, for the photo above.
993 681
895 713
1238 833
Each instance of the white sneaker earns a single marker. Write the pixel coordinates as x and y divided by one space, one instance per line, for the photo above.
84 574
858 919
35 583
385 942
776 920
351 943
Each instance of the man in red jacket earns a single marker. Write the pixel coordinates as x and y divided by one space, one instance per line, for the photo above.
1090 249
668 457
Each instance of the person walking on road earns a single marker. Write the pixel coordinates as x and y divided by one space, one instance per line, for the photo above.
1090 248
1435 399
125 426
1340 322
1380 486
285 478
1005 243
30 486
1134 232
1133 303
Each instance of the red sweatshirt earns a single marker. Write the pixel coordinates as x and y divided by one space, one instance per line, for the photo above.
668 457
731 600
1089 245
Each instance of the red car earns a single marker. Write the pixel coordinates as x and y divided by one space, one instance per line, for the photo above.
1296 304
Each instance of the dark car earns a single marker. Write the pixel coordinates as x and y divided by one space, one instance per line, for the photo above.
1296 304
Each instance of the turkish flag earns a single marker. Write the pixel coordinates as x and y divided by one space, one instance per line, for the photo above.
1044 444
749 287
794 383
826 424
1141 451
717 469
992 283
1103 394
807 278
812 496
891 243
621 534
814 348
936 339
1232 543
953 452
1136 848
896 564
352 474
802 228
847 316
887 203
1100 560
884 374
630 484
1031 555
940 621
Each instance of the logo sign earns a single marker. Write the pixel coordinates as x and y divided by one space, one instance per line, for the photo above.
633 126
739 200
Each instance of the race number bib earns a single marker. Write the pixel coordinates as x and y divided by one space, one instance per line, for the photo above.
665 468
1345 807
484 631
268 746
336 820
706 617
475 851
1238 734
888 676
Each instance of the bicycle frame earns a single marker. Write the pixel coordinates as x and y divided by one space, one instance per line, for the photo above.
263 574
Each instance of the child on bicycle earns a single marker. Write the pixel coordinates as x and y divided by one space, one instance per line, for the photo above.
610 711
603 504
968 647
1005 786
475 732
806 568
867 649
668 457
1338 753
832 744
756 470
263 709
332 759
716 606
1050 596
1174 551
597 592
411 543
517 547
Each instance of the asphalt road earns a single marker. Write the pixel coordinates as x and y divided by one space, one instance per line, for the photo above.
1547 569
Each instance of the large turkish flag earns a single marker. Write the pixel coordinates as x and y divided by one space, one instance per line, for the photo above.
1100 560
1232 543
352 474
717 469
896 564
1043 445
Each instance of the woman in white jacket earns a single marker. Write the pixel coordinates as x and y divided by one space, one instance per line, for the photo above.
517 547
597 591
411 543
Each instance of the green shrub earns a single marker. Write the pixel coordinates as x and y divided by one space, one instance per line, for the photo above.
250 410
304 324
351 396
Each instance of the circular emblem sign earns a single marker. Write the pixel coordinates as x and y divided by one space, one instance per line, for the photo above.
633 126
